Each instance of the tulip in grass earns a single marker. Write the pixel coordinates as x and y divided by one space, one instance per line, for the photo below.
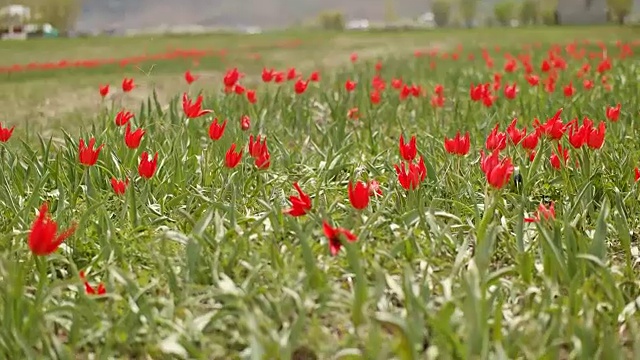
458 145
350 85
147 166
127 85
232 158
636 174
613 113
496 140
408 151
216 130
251 96
189 77
104 90
314 77
231 77
334 235
301 204
90 290
300 86
543 213
5 133
267 75
123 117
119 186
412 175
245 122
358 195
192 109
42 238
514 135
88 155
559 157
132 139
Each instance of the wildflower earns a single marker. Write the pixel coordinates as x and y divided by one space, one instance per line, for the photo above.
301 204
123 117
238 89
510 91
569 90
5 133
251 96
42 238
216 130
636 174
457 145
104 90
231 77
555 161
358 195
554 128
232 158
119 186
350 85
613 113
291 74
189 77
314 77
334 235
193 110
88 155
595 138
147 166
132 139
90 290
496 140
515 135
374 188
410 150
499 175
267 75
127 85
543 213
300 86
245 122
410 177
353 113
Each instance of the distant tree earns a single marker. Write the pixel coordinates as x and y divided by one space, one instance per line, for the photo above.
61 14
441 11
468 9
529 12
504 11
549 12
620 9
331 20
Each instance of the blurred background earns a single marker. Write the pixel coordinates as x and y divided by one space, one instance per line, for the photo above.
20 18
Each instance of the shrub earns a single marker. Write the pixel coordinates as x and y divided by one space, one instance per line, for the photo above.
441 12
331 20
504 11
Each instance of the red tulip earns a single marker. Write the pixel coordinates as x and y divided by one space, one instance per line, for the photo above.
88 155
251 96
127 85
515 135
410 150
499 175
292 73
613 113
457 145
300 86
231 77
359 195
350 85
216 130
42 238
314 77
147 166
267 75
132 139
334 235
410 177
496 140
90 290
119 186
245 122
193 110
543 213
189 77
301 204
5 133
123 117
636 174
233 158
104 90
595 139
510 91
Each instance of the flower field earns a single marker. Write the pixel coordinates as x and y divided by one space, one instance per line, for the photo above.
466 201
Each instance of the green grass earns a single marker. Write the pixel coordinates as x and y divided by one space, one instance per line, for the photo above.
201 262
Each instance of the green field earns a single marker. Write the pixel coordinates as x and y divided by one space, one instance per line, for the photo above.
204 259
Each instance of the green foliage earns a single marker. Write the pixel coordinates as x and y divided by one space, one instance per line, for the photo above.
529 12
331 20
441 12
504 11
620 9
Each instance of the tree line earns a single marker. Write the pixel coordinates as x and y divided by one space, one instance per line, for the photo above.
61 14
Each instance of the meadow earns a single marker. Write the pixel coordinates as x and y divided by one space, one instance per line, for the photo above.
445 194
